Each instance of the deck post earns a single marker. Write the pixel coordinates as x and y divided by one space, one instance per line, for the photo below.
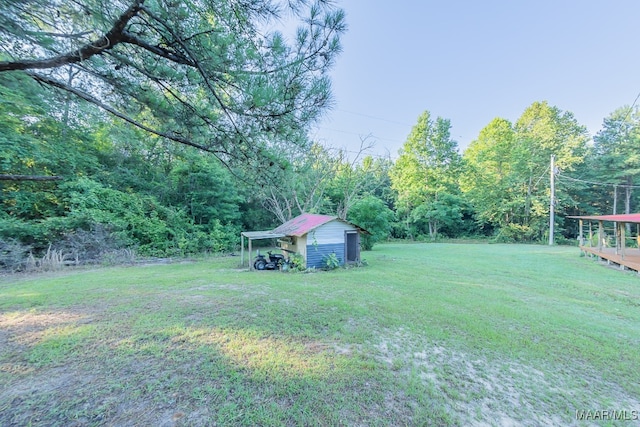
581 234
241 250
623 227
600 235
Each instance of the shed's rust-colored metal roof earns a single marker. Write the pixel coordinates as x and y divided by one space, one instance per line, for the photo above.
301 225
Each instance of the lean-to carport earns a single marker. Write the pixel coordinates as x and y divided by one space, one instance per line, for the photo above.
255 235
596 243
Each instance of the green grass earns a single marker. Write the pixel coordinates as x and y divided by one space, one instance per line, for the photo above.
426 334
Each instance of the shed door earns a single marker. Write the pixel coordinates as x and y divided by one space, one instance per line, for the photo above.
352 247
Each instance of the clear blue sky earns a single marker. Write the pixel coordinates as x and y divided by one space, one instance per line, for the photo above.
472 61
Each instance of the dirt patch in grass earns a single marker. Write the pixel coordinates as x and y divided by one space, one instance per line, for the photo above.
483 390
28 328
186 372
20 331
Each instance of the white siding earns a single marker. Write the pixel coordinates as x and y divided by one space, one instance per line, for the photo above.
329 233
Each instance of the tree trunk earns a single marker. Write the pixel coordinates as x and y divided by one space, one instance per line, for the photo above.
408 225
433 229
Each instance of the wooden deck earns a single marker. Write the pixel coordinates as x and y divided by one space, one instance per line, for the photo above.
630 260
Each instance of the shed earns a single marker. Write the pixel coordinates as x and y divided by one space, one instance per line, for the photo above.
316 237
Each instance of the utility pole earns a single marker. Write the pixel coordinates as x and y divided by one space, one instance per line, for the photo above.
552 202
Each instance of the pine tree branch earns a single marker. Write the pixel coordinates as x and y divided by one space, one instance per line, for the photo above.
83 95
115 36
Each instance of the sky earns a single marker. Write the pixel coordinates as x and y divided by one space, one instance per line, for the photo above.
471 61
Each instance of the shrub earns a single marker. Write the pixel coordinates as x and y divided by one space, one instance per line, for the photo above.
297 262
89 246
515 233
13 255
331 261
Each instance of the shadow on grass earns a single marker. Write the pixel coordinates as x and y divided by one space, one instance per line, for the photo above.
83 367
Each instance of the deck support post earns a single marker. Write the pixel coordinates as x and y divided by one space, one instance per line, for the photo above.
241 250
622 226
600 235
581 234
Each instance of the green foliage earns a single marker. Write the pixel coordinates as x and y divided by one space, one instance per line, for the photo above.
297 262
205 189
515 233
211 75
506 175
486 180
142 222
131 191
373 215
445 215
331 261
615 157
428 166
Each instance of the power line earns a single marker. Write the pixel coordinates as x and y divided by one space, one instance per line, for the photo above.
373 117
603 184
631 108
360 134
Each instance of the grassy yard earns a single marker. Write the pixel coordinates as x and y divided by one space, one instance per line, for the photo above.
426 334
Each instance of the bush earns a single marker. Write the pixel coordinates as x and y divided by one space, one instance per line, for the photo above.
13 255
91 246
297 262
331 261
515 233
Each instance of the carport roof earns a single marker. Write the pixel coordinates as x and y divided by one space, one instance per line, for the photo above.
256 235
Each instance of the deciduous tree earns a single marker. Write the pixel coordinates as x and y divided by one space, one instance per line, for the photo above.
488 164
617 151
428 166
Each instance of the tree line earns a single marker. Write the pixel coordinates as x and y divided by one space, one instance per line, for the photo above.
500 186
165 128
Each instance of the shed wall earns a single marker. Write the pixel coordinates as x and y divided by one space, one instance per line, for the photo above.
325 240
316 254
329 233
299 245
